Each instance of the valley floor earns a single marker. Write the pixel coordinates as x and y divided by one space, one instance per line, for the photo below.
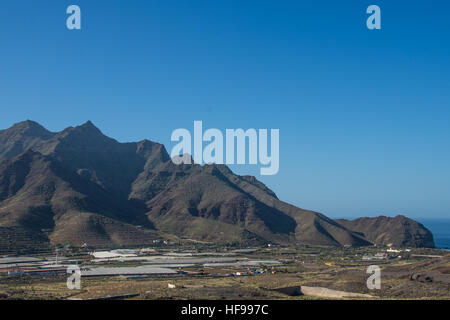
203 271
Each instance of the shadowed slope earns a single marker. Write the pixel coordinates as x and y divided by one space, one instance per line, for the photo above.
50 196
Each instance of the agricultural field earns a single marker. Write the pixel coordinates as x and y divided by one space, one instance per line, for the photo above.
208 272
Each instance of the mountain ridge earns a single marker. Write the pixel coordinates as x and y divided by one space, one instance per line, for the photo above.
90 188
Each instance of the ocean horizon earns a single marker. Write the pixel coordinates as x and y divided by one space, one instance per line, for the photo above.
440 228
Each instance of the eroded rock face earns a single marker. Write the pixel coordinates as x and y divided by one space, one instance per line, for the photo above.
399 231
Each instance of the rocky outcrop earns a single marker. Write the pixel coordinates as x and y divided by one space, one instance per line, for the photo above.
399 231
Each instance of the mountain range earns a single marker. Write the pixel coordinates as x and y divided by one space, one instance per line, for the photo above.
79 186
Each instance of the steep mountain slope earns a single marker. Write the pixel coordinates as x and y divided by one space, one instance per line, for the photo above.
38 193
399 231
81 186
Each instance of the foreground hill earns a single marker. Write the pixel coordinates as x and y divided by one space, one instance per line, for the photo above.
79 186
399 231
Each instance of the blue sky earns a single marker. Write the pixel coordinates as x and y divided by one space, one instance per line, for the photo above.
363 115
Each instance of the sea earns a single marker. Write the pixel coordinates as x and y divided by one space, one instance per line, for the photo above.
440 228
